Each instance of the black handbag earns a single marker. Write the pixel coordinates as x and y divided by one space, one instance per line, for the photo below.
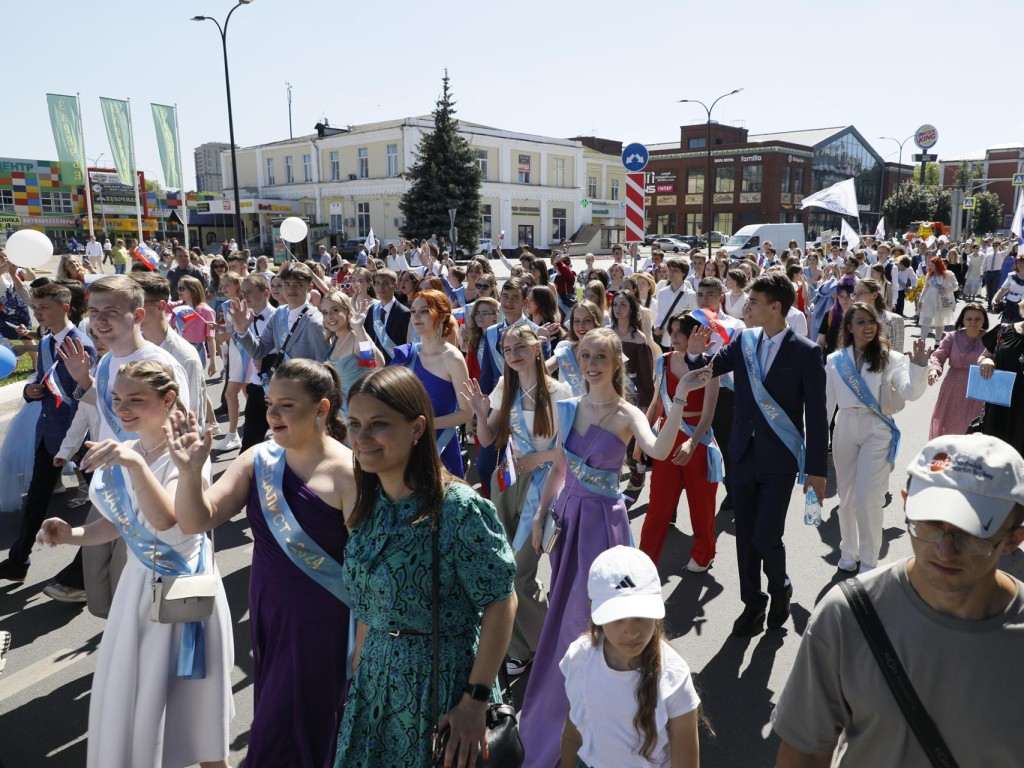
504 748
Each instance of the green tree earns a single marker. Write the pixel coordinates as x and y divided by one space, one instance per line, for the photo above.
931 175
967 173
444 176
988 212
916 203
153 186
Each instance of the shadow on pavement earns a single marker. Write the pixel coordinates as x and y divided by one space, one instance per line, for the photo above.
36 733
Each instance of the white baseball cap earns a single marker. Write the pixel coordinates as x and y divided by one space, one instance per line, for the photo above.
970 481
623 584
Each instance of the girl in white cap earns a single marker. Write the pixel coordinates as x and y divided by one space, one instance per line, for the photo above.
625 658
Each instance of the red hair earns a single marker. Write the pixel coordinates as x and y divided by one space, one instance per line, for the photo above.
938 265
434 283
439 307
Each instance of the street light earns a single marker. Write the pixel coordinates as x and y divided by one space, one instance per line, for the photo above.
98 189
239 236
899 178
708 184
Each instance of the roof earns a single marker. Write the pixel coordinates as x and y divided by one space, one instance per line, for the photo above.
809 137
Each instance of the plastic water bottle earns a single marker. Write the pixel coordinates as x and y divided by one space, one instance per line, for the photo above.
812 509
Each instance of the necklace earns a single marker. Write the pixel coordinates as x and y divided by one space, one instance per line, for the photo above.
601 402
145 452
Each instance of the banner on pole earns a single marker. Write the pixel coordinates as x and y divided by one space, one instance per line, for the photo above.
115 118
67 135
167 143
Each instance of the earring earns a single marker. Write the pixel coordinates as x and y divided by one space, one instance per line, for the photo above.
316 424
414 442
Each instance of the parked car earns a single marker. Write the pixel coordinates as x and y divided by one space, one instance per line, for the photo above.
692 240
716 238
349 248
671 244
485 246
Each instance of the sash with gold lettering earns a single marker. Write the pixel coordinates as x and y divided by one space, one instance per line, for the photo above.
104 400
570 369
523 446
599 481
385 341
113 497
847 369
306 554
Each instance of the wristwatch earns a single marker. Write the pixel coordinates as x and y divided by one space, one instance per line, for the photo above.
478 692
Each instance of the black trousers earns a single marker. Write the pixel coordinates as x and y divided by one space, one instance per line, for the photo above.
991 280
760 503
254 430
37 501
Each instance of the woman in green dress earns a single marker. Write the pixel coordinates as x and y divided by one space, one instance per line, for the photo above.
403 491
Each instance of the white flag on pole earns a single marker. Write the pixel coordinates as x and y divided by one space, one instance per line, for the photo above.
880 229
1017 225
849 234
371 241
839 198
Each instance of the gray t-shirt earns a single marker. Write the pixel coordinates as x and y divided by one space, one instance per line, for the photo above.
968 674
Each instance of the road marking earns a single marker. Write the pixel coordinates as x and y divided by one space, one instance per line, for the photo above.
12 685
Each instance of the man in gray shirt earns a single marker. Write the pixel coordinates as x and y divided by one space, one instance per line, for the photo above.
955 621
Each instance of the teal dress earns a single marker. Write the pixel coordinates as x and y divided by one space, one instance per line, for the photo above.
388 716
349 370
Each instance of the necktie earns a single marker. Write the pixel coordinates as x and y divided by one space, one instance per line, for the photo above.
256 325
383 317
53 347
766 345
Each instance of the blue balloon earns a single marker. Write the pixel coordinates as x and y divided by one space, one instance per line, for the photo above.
8 362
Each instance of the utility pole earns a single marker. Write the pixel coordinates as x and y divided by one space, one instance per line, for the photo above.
290 134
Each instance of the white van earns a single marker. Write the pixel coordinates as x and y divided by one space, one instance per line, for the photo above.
751 238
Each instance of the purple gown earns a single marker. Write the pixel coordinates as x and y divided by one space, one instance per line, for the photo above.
299 639
591 523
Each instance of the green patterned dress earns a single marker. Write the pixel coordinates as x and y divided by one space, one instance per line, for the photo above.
387 719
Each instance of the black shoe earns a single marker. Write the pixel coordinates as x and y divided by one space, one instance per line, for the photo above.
12 571
726 504
750 622
779 612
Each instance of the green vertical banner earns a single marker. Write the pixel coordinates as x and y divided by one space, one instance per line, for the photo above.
67 135
167 142
115 118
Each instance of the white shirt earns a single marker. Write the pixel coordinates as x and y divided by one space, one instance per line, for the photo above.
107 247
397 262
989 263
385 310
264 317
797 320
666 298
93 250
774 349
909 381
294 314
148 351
558 390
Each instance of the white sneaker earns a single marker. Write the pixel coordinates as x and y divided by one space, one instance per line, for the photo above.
5 646
847 564
864 568
63 594
694 567
229 442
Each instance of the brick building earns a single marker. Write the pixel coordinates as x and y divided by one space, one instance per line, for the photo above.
998 165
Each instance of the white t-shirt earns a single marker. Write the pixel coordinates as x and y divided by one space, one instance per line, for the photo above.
797 320
559 391
149 351
602 703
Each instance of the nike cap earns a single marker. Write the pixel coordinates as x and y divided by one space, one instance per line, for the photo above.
970 481
624 584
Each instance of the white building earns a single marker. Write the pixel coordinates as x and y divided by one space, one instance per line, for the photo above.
536 189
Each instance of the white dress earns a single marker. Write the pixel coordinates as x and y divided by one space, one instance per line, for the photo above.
141 715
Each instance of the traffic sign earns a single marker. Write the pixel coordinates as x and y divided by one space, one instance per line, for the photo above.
1018 179
925 158
635 157
926 136
635 208
969 203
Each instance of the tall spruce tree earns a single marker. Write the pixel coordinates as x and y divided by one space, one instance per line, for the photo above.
444 176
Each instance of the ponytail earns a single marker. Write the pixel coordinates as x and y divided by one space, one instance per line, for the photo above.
320 381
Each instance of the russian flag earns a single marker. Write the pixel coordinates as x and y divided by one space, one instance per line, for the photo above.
51 383
147 256
366 357
184 314
507 469
707 317
459 313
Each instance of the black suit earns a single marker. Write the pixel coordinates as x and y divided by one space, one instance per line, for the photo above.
396 325
761 468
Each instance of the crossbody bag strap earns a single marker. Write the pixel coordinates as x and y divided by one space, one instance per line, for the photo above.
895 675
668 315
435 639
284 344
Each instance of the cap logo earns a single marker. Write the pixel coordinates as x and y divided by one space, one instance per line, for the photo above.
940 462
626 583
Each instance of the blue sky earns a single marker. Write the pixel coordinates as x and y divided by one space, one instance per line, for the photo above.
554 68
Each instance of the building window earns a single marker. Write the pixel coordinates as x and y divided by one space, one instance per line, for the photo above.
485 221
693 223
668 223
751 180
481 163
392 156
696 143
271 181
335 166
725 180
289 171
362 219
557 225
615 189
307 168
694 181
6 200
337 222
786 179
591 186
524 174
723 224
559 171
55 202
798 180
525 235
363 163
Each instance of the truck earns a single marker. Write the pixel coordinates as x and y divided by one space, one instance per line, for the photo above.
751 238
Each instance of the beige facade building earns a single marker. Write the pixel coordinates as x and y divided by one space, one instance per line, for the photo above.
536 189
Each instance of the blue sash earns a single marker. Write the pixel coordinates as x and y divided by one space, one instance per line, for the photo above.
378 328
716 463
824 298
104 401
523 446
847 370
444 436
112 494
599 481
570 369
773 413
44 351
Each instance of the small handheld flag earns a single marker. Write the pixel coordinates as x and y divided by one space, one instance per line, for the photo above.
147 256
366 357
507 469
708 318
51 383
184 314
459 313
501 235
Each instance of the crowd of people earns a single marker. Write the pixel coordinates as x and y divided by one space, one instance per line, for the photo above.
413 435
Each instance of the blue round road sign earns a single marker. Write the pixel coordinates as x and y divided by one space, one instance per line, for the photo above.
635 157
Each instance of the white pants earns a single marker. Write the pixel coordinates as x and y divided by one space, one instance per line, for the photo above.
860 450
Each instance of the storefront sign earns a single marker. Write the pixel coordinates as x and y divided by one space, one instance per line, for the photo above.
215 206
526 210
666 189
694 199
9 221
14 165
269 206
48 221
750 197
750 158
524 167
668 200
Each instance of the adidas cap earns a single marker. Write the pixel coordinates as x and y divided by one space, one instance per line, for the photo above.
624 584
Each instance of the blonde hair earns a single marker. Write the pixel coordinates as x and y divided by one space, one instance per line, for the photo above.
154 375
611 338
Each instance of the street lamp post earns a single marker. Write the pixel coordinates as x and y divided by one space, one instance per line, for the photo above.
708 183
98 189
239 235
899 179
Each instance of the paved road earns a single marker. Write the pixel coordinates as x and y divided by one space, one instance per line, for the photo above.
44 694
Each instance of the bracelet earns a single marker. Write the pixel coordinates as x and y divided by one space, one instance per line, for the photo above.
677 400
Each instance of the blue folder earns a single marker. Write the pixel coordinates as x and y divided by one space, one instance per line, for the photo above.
996 390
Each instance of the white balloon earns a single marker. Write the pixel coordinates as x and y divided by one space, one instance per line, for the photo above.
294 229
29 248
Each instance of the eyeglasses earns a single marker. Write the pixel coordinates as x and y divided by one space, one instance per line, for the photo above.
964 543
861 294
346 286
483 286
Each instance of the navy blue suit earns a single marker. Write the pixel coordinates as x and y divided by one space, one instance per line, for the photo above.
762 470
396 326
51 427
